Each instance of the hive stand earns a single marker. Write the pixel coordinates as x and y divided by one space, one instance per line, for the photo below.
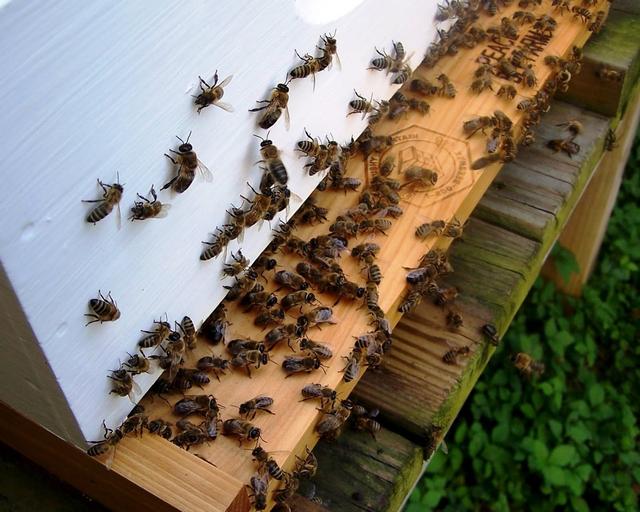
509 235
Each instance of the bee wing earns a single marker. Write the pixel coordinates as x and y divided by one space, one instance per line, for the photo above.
118 216
224 106
110 455
205 172
287 119
163 212
225 82
338 63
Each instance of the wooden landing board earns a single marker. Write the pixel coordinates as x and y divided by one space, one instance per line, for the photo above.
436 140
495 262
616 48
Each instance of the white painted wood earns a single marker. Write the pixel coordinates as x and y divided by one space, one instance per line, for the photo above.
89 89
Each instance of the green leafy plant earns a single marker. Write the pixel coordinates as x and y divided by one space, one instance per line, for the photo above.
569 439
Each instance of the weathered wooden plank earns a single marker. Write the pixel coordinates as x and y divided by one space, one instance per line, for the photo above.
356 474
516 226
617 48
586 227
525 202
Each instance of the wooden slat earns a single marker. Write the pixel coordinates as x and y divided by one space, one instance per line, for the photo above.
617 47
587 225
356 473
509 236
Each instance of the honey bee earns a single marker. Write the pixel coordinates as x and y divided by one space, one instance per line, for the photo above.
524 17
149 209
610 141
361 105
301 364
309 147
191 435
267 316
423 87
216 247
561 6
310 213
298 298
213 93
451 356
250 408
366 421
111 196
271 159
507 91
403 74
608 75
138 363
332 420
249 358
329 50
313 391
259 299
382 63
211 364
161 428
267 463
529 78
454 319
573 126
527 365
123 384
435 227
174 349
196 404
243 285
491 332
545 23
597 22
507 68
135 422
214 327
287 491
275 105
239 345
310 66
319 350
374 226
187 162
307 467
567 146
481 84
241 429
476 124
258 484
582 13
446 89
187 377
352 365
291 280
156 336
107 446
104 309
365 250
453 229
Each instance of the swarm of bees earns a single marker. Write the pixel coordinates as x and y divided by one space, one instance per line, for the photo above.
294 311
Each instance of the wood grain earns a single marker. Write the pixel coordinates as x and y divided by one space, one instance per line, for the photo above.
587 225
496 262
439 137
